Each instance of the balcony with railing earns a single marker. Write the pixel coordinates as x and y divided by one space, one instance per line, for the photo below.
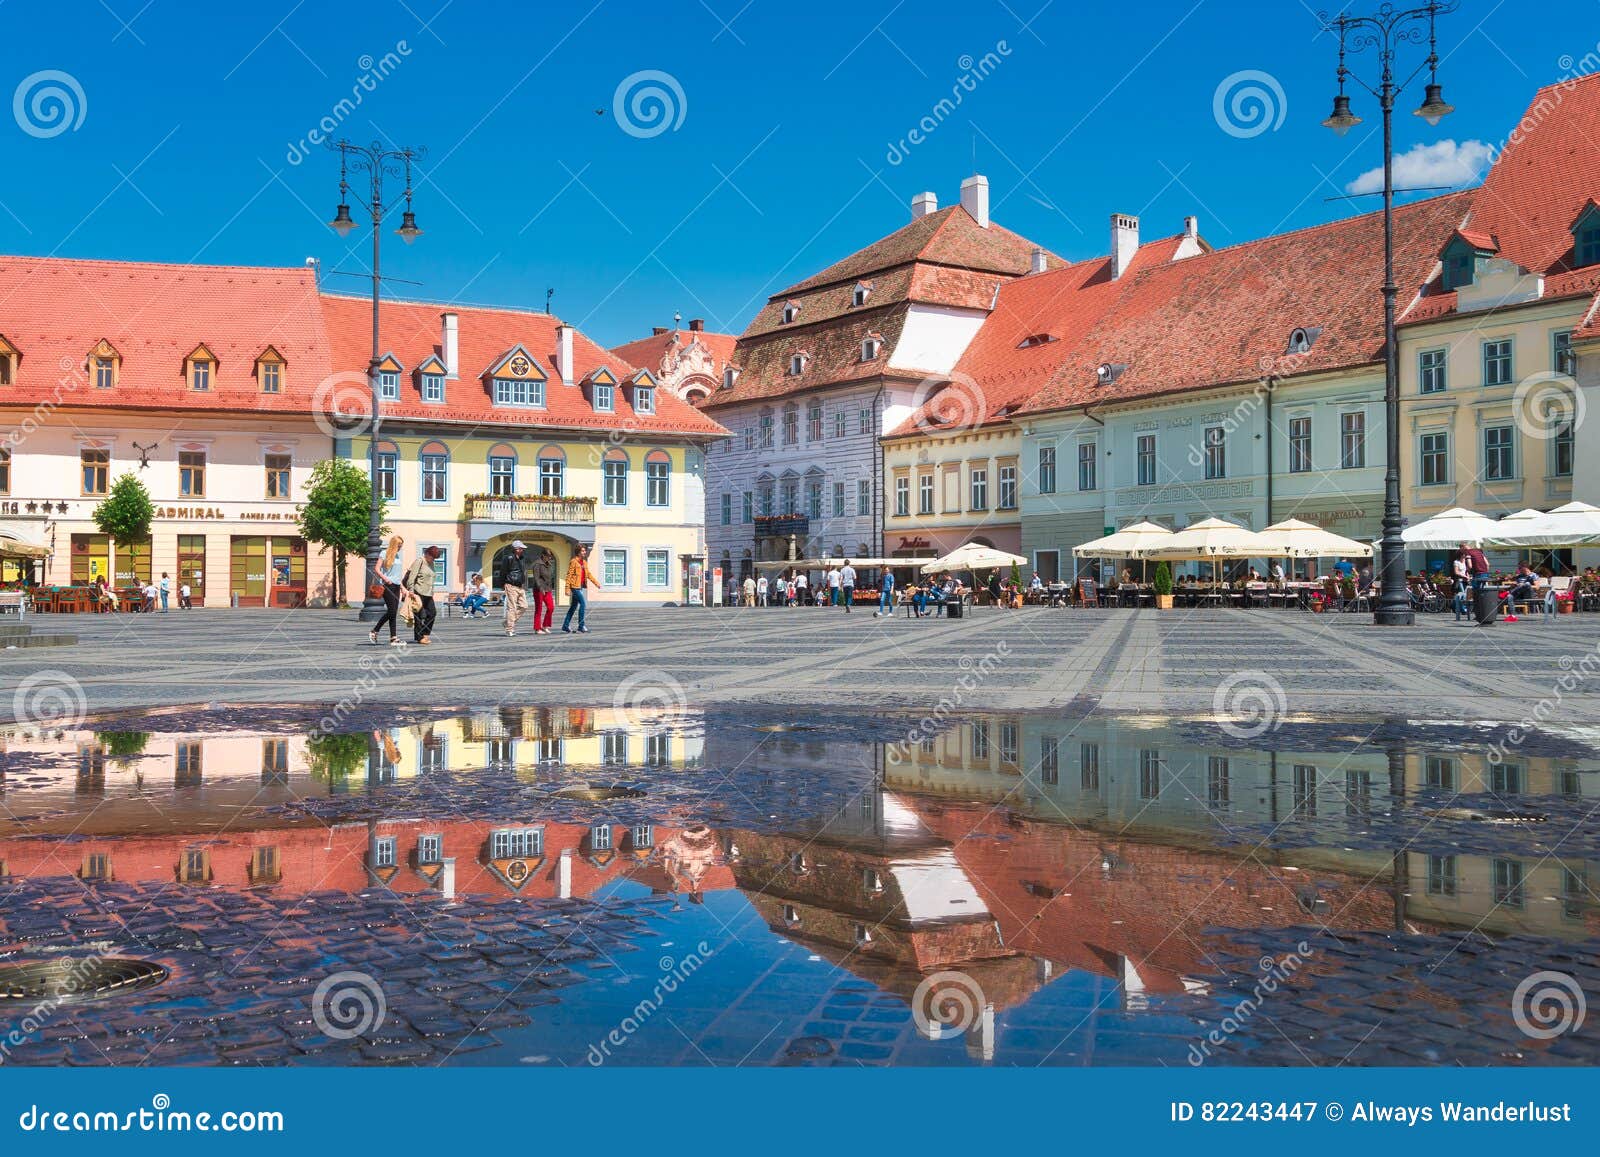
529 508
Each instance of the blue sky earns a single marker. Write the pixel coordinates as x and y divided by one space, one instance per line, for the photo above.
789 147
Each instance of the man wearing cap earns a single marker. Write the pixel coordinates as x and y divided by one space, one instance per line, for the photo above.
513 584
419 581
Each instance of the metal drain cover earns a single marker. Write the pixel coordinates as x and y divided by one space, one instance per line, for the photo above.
599 792
76 978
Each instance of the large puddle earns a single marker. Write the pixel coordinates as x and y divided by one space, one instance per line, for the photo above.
571 887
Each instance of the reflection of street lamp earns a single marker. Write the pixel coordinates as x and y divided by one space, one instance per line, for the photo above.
375 160
1386 31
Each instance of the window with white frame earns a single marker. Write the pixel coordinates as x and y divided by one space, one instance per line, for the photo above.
644 400
1352 440
863 498
838 499
1049 759
865 419
1562 445
814 420
797 365
1299 445
502 476
614 748
389 385
748 509
383 852
978 488
516 843
605 398
657 568
388 474
727 509
1561 356
766 431
614 567
839 422
614 486
434 471
552 476
600 838
902 497
430 848
657 481
523 392
1088 456
1433 371
1008 488
925 494
433 387
814 498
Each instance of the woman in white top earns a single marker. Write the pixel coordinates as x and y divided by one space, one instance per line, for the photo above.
390 573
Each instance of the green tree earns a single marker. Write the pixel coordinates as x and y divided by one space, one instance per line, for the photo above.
123 745
125 514
333 757
338 498
1163 580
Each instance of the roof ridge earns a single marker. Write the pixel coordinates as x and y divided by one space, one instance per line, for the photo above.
120 263
448 305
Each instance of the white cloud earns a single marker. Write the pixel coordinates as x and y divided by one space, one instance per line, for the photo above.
1441 163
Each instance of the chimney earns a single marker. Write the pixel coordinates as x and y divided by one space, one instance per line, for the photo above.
1191 228
923 204
697 325
1124 242
657 330
564 353
448 343
1040 261
975 199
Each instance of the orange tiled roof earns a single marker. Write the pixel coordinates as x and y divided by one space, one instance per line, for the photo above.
1225 317
411 331
55 310
648 351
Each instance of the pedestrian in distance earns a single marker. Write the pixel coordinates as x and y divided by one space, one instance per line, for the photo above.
388 578
761 591
885 594
544 591
847 585
513 586
579 579
419 584
165 587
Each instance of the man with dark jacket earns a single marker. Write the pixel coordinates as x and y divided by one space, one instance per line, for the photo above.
513 581
544 591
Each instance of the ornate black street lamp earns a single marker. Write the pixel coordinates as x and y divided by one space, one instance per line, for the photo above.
1386 31
375 160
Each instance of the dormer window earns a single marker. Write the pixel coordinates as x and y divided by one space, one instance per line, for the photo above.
199 368
389 379
433 387
519 392
105 364
1035 339
1302 338
790 311
1107 373
797 365
269 371
9 357
729 377
1459 258
863 290
604 397
1586 237
871 345
644 400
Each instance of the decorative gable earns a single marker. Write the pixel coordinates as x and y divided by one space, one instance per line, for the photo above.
389 364
200 368
105 365
516 363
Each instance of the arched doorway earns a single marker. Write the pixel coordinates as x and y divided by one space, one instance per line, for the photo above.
498 549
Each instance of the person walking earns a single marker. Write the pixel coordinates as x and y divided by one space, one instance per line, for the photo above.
579 579
513 586
761 591
165 587
833 586
419 581
544 591
847 585
389 575
749 591
1461 573
885 594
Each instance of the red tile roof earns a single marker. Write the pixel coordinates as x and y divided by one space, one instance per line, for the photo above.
1225 317
55 310
648 351
1025 339
411 331
944 259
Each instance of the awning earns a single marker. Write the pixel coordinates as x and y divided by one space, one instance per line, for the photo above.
829 563
24 540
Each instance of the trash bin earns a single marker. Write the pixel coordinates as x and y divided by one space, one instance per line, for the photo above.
952 609
1485 605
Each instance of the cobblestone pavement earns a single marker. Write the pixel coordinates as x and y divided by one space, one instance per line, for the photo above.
1117 660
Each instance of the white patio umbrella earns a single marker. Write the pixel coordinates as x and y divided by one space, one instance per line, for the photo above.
973 556
1575 524
1449 530
1292 538
1129 542
1211 538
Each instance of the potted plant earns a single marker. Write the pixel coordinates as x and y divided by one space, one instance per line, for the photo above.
1163 587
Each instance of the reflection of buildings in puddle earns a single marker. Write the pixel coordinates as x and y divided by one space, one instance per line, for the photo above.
1127 777
240 768
875 891
534 860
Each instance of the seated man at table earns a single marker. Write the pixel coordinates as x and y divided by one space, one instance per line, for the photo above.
1524 585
